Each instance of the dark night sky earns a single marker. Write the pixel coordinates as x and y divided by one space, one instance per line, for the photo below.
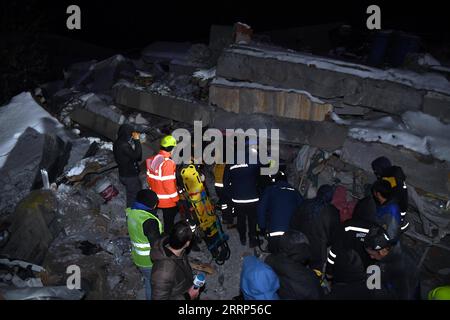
135 23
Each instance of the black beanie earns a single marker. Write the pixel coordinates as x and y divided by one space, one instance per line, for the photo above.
380 164
147 197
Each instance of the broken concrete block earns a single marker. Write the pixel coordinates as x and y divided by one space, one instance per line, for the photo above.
164 106
21 170
391 91
97 105
422 172
220 37
33 227
322 134
98 123
437 105
243 97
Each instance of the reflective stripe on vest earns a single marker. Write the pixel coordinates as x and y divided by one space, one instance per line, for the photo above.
245 201
236 166
218 185
167 196
276 234
140 245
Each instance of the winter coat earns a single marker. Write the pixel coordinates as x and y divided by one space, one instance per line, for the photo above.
297 281
318 219
388 216
258 280
241 182
171 275
127 152
277 206
365 209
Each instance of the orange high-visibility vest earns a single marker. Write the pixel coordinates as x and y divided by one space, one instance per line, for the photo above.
162 180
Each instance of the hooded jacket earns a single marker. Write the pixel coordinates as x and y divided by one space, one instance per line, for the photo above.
297 281
125 155
258 280
318 219
171 275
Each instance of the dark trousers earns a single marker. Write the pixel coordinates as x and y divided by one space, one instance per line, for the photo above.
246 212
169 218
273 244
132 186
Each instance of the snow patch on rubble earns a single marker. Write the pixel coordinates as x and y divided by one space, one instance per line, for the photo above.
205 74
415 131
22 112
427 81
78 169
253 85
102 144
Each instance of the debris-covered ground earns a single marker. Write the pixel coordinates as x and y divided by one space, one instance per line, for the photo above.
67 127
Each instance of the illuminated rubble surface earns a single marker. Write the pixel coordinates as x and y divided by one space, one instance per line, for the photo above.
80 229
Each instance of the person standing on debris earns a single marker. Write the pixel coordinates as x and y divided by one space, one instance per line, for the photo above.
387 212
127 151
241 184
172 277
161 178
223 203
318 219
278 204
399 272
297 280
384 170
144 229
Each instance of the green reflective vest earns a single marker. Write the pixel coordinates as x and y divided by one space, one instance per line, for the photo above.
140 251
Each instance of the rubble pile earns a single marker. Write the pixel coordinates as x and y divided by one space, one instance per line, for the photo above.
334 118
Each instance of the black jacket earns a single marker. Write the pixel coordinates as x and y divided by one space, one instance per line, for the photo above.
365 209
319 222
171 275
125 155
297 281
399 275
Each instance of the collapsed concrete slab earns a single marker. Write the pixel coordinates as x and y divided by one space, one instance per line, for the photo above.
33 227
437 105
246 98
391 91
98 123
21 172
164 106
422 172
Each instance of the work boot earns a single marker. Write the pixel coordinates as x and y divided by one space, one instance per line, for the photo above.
255 243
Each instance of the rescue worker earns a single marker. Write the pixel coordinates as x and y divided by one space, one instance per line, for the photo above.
172 277
241 184
224 201
399 273
388 211
161 178
144 229
384 170
127 151
297 280
347 262
318 219
278 204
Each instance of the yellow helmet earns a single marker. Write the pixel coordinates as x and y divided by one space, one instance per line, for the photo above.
440 293
168 141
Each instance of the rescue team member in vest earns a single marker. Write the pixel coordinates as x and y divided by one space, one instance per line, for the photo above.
278 204
161 178
224 201
388 212
144 229
384 170
127 151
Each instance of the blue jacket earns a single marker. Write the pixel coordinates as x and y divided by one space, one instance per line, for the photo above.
258 280
388 216
277 206
240 182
